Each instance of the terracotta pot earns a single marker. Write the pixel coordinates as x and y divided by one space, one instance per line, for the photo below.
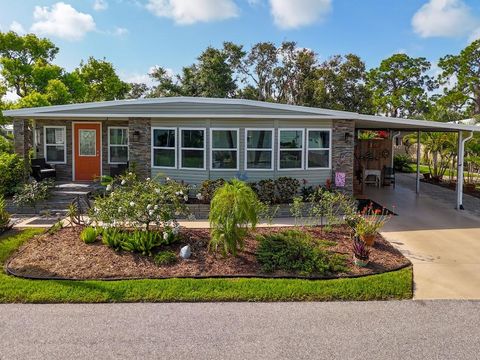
369 240
359 262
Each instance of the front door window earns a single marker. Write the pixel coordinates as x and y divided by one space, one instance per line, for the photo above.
87 142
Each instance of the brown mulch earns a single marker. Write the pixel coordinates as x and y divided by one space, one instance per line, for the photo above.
64 255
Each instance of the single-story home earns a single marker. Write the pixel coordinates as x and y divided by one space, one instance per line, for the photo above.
193 139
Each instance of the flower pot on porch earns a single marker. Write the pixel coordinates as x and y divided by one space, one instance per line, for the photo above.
369 239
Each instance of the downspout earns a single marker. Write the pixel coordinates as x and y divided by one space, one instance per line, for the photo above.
417 180
393 144
461 156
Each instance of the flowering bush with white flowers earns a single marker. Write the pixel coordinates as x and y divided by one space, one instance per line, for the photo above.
130 202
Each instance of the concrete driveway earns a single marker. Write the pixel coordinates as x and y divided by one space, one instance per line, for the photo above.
442 243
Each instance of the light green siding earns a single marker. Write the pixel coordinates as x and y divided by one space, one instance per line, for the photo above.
313 177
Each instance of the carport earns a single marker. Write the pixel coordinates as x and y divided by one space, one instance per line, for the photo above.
396 125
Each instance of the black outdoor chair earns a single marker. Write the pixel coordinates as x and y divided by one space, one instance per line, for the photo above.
41 170
389 176
119 169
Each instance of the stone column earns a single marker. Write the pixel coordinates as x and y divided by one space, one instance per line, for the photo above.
343 144
22 137
139 137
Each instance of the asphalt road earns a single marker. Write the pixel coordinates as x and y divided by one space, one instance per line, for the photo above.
373 330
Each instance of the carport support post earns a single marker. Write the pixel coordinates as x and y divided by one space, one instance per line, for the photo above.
417 188
460 156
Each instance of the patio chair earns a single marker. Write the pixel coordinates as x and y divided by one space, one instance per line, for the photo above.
389 176
41 170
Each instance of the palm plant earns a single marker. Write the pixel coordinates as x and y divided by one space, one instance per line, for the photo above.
233 211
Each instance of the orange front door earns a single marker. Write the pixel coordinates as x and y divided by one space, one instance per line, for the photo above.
87 151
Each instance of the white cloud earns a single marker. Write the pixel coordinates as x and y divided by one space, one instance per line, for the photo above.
63 21
289 14
444 18
136 77
186 12
10 96
120 31
475 35
17 27
100 5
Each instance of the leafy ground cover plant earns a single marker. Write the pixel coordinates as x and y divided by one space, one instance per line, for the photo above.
130 202
142 241
165 258
233 211
294 251
33 192
89 235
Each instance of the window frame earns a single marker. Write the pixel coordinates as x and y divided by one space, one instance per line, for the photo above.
237 148
181 148
272 149
329 130
301 150
114 145
64 128
152 142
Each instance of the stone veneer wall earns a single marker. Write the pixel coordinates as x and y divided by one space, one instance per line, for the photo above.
343 151
22 137
140 150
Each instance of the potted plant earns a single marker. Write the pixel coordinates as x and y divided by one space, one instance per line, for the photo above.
361 252
369 223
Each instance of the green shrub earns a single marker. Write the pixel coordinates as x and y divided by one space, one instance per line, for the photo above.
401 162
33 192
88 235
265 190
286 189
13 174
165 258
6 145
208 188
137 203
233 210
297 252
113 238
4 216
142 241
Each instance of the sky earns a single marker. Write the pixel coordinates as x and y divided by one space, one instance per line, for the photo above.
136 35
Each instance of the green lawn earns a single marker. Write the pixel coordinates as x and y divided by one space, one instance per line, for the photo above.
394 285
424 170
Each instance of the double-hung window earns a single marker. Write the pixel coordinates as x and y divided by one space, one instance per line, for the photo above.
224 149
164 151
290 149
192 148
55 144
259 149
117 145
318 148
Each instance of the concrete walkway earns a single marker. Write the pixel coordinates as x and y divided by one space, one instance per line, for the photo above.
342 330
442 243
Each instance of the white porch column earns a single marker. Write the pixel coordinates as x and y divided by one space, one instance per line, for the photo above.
461 156
417 188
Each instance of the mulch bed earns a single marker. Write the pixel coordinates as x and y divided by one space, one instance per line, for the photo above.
64 256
